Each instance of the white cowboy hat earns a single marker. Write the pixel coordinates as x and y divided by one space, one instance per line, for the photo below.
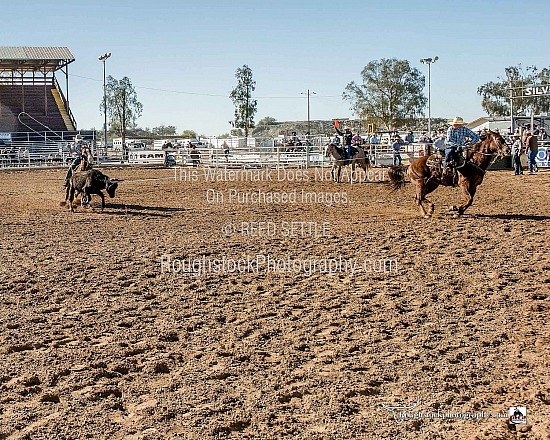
458 121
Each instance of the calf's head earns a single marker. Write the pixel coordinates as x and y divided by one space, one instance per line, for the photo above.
111 185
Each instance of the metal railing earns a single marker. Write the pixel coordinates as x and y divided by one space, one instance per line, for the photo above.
265 153
65 102
34 154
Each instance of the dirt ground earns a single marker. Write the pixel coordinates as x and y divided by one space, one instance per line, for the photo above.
106 334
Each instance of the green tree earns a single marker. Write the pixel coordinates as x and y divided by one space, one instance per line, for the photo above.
268 120
123 108
164 130
391 94
241 95
496 94
189 134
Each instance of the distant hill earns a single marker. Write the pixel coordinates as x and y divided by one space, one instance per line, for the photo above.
319 127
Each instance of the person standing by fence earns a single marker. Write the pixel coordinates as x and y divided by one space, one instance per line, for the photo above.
225 151
396 147
517 147
357 140
532 148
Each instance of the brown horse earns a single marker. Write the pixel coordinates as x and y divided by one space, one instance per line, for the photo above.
358 157
426 173
85 162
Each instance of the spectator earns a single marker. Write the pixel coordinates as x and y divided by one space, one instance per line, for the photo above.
439 145
543 136
374 139
335 140
225 147
396 147
409 139
357 140
532 148
424 139
195 156
517 147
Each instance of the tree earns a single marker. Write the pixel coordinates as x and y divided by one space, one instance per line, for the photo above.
496 94
241 95
268 120
163 130
123 108
391 95
189 134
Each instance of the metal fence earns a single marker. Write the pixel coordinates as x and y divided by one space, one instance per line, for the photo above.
260 152
39 149
34 154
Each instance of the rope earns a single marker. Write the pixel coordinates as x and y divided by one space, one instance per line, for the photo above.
146 180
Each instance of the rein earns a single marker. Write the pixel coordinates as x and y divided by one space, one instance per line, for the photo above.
497 155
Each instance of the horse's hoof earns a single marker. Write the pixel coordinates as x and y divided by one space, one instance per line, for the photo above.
427 216
457 215
453 208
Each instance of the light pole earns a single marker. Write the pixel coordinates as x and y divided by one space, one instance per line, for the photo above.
308 124
103 58
308 137
429 62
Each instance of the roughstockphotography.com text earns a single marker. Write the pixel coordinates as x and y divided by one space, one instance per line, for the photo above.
260 263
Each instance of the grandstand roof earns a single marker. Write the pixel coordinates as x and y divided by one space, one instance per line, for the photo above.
28 58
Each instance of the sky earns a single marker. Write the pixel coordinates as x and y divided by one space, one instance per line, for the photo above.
181 56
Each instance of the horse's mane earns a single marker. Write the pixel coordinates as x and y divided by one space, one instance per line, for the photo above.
479 147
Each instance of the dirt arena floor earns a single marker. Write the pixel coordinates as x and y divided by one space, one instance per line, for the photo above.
187 310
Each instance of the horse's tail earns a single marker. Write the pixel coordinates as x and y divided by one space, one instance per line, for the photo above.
397 177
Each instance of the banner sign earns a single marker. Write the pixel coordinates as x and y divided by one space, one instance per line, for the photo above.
537 91
543 157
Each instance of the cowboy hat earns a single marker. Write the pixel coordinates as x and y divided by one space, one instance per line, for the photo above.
347 127
458 121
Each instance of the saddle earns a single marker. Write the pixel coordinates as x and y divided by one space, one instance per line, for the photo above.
446 176
342 152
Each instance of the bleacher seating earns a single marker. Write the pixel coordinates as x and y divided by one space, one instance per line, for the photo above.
37 101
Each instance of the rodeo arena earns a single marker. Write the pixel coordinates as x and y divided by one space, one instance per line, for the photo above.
262 288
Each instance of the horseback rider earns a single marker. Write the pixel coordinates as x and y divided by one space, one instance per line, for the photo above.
78 148
347 136
458 137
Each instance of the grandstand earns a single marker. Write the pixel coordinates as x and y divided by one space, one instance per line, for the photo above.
36 121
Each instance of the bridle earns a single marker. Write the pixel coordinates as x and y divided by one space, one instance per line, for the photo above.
499 153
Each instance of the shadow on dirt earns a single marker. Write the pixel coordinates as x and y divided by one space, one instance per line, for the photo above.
133 210
513 216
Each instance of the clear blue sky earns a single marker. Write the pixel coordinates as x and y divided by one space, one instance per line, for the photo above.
189 51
